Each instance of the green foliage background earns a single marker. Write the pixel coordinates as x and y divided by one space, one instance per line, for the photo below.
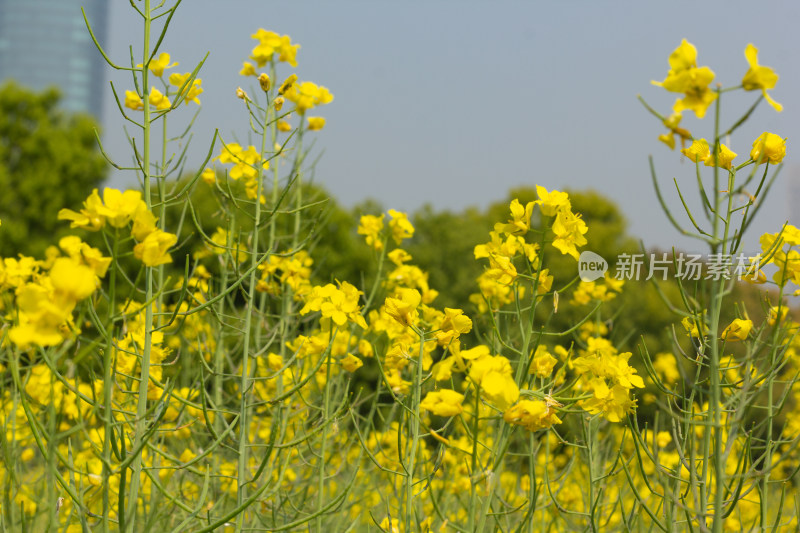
49 159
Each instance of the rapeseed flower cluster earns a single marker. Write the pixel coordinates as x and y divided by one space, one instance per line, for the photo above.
270 44
234 397
607 376
686 77
781 249
46 298
119 209
247 165
187 87
338 304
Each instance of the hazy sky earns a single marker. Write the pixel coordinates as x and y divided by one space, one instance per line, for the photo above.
454 103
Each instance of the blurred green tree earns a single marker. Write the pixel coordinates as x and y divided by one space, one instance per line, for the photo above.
49 159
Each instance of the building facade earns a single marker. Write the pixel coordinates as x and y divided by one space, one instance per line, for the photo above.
45 43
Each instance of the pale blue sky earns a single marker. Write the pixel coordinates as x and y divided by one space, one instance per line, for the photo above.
453 103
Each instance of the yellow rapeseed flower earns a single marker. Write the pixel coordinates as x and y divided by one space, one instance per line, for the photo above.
532 415
400 227
72 279
443 402
685 77
84 254
453 325
403 306
351 363
133 101
307 95
690 324
700 151
671 122
371 227
316 123
247 69
543 363
520 222
666 366
759 77
153 251
339 304
158 66
768 148
191 91
89 217
270 43
738 330
494 375
158 100
209 176
144 223
244 160
119 208
551 202
569 230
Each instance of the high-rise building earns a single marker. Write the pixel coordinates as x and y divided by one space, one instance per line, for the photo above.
45 43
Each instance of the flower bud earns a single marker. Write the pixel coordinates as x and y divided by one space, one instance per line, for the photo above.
288 82
264 81
241 95
278 103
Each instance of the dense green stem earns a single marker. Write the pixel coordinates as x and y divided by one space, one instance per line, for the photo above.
245 408
108 383
326 413
144 377
412 459
717 289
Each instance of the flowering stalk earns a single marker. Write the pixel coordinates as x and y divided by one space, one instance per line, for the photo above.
297 170
219 352
108 387
326 413
717 294
144 376
721 468
245 387
416 391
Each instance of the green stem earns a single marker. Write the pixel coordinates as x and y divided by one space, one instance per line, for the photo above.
496 461
298 199
108 384
412 460
474 466
717 289
326 410
144 377
245 408
770 446
275 163
219 349
51 456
